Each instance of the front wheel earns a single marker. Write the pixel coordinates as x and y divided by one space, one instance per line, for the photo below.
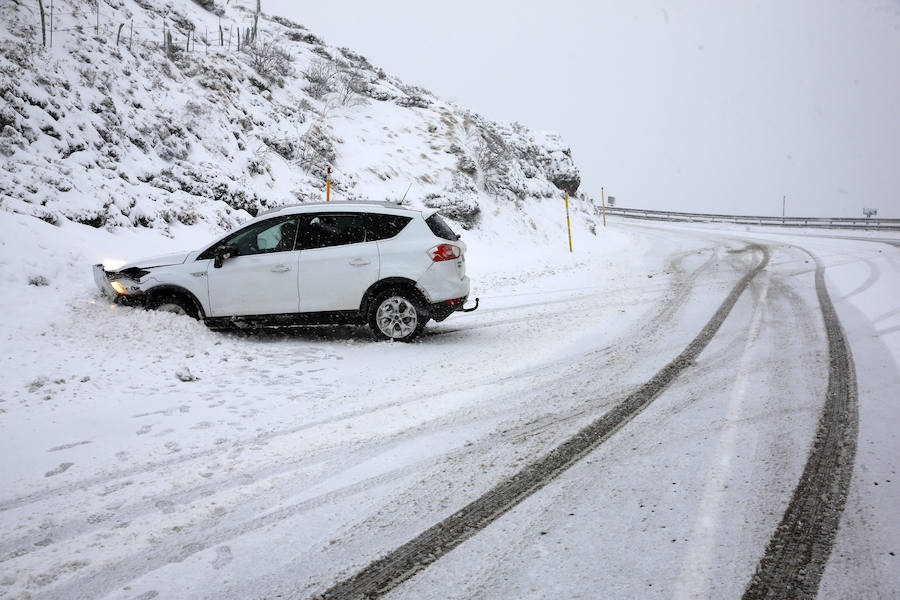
173 304
396 316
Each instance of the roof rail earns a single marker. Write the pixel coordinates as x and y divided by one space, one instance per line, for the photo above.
384 203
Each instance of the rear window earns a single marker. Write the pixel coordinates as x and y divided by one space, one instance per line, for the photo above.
382 227
440 228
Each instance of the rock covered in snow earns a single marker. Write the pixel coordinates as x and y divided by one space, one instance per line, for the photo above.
184 374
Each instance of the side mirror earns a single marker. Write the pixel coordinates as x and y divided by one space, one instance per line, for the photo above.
220 254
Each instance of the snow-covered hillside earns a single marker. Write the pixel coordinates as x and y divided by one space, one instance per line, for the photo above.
145 125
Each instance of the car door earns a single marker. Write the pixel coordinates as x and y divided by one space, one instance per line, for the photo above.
337 263
260 278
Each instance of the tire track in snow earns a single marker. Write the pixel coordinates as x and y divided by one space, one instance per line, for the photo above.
798 551
397 566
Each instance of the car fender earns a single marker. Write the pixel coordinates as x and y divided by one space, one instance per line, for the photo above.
377 287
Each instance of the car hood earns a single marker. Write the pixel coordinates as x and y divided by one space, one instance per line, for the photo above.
175 258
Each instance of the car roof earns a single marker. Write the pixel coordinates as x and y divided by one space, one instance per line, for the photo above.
344 205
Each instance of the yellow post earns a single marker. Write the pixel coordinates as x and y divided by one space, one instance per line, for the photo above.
603 204
328 186
568 223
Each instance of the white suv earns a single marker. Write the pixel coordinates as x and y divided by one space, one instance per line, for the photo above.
338 262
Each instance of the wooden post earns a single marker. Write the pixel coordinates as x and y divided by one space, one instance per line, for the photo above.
51 23
328 186
119 33
43 25
239 39
256 19
131 34
98 19
568 223
187 44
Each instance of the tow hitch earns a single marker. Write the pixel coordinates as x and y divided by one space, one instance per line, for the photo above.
470 309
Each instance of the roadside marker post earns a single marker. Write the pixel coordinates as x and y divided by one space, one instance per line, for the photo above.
568 223
603 204
328 186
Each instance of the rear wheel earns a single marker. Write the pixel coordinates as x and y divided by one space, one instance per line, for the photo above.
173 304
397 315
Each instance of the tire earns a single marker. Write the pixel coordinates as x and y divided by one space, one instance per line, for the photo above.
173 304
397 315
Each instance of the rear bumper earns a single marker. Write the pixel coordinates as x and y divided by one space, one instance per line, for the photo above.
441 310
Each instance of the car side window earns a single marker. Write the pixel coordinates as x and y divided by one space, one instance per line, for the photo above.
272 235
381 226
323 230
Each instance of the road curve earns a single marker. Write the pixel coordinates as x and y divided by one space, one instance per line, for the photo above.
397 566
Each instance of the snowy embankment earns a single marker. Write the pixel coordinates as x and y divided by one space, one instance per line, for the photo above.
139 134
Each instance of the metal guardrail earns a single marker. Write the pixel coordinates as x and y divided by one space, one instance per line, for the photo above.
820 222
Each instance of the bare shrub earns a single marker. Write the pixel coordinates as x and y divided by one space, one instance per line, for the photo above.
359 59
316 151
321 77
302 36
286 22
458 202
209 5
415 97
465 164
413 102
492 155
173 51
269 60
257 165
351 86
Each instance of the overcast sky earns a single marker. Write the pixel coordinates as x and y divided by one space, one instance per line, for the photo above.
711 106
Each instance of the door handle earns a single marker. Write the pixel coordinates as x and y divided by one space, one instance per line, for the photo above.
360 262
281 269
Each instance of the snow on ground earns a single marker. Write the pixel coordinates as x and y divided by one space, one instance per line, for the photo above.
92 395
144 453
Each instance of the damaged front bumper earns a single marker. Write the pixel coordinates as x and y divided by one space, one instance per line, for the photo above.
115 286
101 278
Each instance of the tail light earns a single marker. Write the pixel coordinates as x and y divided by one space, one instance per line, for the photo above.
444 252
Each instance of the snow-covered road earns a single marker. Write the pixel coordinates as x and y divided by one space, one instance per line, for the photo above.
289 461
